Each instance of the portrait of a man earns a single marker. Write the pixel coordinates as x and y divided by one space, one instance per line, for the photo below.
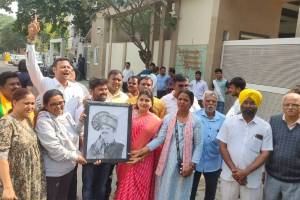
105 146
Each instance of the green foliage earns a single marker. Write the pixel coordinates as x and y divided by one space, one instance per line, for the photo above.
10 39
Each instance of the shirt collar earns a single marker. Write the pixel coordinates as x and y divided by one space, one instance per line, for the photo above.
254 120
294 124
58 84
203 113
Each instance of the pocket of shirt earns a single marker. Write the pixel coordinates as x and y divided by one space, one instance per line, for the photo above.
255 144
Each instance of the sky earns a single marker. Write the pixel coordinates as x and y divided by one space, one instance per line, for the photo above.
14 7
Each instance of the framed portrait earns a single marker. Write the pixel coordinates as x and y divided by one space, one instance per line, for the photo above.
107 132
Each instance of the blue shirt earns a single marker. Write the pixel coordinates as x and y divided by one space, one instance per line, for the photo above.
211 159
162 82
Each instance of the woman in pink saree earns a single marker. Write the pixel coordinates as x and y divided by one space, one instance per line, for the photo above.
136 179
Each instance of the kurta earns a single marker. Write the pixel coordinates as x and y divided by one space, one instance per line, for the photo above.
136 181
171 185
18 145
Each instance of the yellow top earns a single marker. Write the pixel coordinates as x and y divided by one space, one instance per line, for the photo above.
159 107
6 106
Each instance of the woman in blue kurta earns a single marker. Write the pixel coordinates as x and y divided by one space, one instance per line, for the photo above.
181 136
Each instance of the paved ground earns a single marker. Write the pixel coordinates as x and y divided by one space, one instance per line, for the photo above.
201 188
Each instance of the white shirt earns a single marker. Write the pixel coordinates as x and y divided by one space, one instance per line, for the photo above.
72 92
171 103
244 146
235 109
198 88
127 73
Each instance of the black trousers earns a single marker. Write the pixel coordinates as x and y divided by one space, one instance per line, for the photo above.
73 187
58 187
211 182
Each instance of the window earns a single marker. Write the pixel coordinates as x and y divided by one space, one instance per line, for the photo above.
96 55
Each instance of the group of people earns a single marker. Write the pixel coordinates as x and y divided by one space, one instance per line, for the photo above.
176 136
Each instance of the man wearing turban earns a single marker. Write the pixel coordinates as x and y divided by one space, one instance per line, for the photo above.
245 144
105 147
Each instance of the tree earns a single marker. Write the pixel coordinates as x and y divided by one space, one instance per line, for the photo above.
134 18
10 39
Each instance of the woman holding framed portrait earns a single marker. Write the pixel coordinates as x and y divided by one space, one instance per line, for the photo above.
136 179
180 135
59 137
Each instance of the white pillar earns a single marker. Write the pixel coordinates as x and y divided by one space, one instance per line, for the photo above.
298 25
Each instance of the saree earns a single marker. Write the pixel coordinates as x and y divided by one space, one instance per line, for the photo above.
136 181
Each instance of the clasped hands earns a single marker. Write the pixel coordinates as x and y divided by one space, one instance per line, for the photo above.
240 175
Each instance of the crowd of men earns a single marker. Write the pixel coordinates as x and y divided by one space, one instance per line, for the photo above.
236 147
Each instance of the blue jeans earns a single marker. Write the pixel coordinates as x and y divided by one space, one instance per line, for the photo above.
211 182
220 106
94 180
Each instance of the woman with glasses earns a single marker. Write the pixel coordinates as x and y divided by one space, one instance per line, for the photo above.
21 169
59 137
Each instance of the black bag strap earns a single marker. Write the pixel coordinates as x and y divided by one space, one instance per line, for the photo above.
177 143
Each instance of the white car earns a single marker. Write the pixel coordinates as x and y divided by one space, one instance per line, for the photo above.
17 59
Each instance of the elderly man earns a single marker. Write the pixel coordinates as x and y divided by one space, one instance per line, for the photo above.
105 147
283 165
170 100
245 144
210 161
146 82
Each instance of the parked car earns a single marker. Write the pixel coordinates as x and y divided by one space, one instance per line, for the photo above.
17 59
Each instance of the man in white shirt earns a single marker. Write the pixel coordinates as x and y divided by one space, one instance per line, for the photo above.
170 100
235 86
198 87
62 69
245 144
127 73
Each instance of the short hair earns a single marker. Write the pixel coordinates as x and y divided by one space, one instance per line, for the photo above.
210 93
238 82
189 93
133 77
180 78
152 64
128 63
49 94
20 93
172 69
198 72
4 76
162 67
218 70
144 78
60 60
22 66
114 72
295 89
95 82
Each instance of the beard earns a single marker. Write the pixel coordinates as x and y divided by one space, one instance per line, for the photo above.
249 113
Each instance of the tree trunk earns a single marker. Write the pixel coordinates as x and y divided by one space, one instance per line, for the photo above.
146 56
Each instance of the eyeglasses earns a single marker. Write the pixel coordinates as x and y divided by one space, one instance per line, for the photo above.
61 103
183 85
294 106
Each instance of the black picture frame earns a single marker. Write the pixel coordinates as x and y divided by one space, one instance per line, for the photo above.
117 118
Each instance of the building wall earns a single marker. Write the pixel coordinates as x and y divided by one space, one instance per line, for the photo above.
194 24
234 16
128 52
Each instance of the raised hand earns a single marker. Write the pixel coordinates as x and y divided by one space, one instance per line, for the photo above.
33 29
